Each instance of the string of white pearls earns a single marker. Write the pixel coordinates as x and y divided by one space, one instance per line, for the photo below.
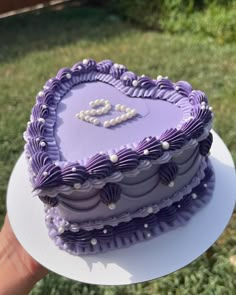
128 114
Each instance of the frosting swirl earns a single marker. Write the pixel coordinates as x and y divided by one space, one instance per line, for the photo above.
99 166
128 160
205 145
104 66
48 176
193 128
174 137
39 160
183 88
168 172
128 77
149 148
197 97
73 173
36 129
110 193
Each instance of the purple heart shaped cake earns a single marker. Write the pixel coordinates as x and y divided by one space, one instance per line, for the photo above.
117 158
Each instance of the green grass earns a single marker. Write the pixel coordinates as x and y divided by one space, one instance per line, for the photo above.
34 46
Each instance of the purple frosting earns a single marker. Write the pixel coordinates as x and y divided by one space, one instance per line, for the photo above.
39 160
205 145
117 71
73 173
127 160
48 176
193 128
183 87
99 166
197 97
168 172
146 82
152 145
128 77
174 137
104 66
49 200
110 193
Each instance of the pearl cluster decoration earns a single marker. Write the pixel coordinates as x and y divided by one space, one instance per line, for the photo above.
128 114
86 115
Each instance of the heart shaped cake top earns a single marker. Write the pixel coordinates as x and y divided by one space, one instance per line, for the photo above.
95 119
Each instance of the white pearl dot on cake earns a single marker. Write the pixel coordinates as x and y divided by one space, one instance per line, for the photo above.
45 173
171 184
117 107
106 124
28 123
73 169
37 139
165 145
40 93
44 106
203 103
133 112
145 225
122 66
135 83
112 206
176 88
125 78
118 120
85 61
194 196
96 122
86 118
149 235
149 209
116 66
159 77
146 152
112 122
210 108
92 103
48 218
122 108
74 227
68 76
205 185
79 68
94 241
42 143
77 185
105 231
60 230
142 75
123 117
41 120
114 158
179 206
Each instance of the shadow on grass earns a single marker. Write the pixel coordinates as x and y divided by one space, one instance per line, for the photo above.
42 30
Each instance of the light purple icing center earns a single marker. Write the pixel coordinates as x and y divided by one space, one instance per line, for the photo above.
154 117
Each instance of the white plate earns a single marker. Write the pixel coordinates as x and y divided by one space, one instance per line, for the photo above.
144 261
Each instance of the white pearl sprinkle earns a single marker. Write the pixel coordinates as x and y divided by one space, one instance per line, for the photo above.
40 93
149 235
60 230
28 123
105 231
176 88
42 143
45 173
135 83
97 102
93 112
118 120
116 66
127 110
171 184
114 158
205 185
37 139
122 66
165 145
123 117
179 206
96 122
112 206
77 185
106 124
146 152
85 61
149 209
203 107
94 241
48 218
159 77
86 118
99 112
92 104
194 196
133 112
68 76
41 120
210 108
79 68
73 169
142 75
125 78
129 115
145 225
117 107
122 108
44 106
107 102
91 120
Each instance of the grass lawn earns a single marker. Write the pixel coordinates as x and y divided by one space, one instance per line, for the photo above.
34 46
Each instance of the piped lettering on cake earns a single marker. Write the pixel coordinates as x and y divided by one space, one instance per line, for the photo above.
104 107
